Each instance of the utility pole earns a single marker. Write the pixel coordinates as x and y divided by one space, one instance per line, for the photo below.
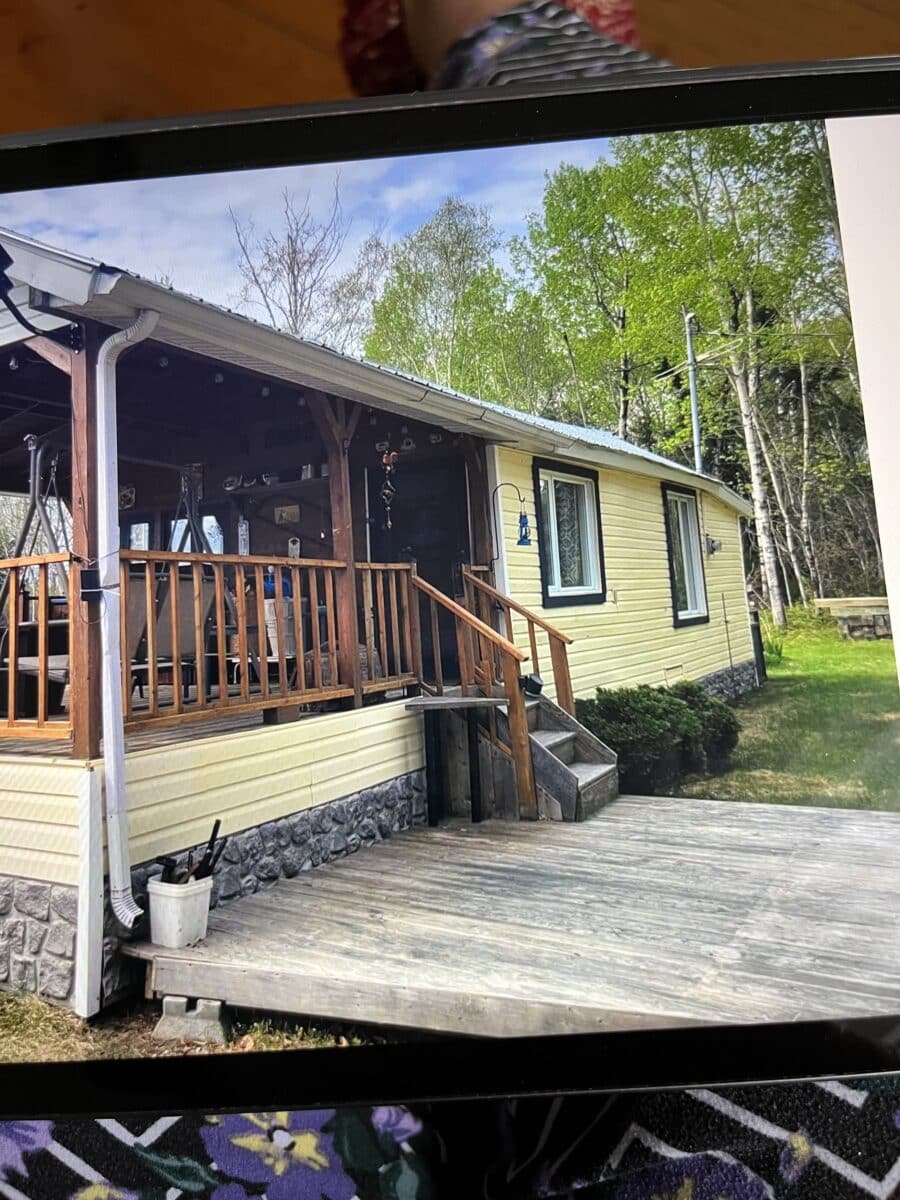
690 324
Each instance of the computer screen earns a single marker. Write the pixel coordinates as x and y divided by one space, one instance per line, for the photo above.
444 594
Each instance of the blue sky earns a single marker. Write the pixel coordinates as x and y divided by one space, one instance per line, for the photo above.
181 227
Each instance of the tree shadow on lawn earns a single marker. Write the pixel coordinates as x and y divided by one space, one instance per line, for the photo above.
816 733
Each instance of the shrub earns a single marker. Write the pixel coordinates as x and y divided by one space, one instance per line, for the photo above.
719 724
652 731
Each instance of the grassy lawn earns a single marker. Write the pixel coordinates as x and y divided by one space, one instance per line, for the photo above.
824 730
32 1031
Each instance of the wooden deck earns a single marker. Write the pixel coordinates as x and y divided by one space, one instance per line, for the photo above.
656 912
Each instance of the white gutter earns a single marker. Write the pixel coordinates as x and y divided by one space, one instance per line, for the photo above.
123 902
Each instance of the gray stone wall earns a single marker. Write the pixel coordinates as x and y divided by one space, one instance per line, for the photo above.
730 683
257 858
38 923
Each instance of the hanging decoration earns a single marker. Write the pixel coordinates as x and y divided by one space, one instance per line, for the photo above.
389 460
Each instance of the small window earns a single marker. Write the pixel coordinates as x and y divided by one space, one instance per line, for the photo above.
182 539
685 556
568 519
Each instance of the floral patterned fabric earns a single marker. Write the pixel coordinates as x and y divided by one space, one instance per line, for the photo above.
828 1141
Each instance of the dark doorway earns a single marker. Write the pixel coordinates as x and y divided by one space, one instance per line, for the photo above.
430 524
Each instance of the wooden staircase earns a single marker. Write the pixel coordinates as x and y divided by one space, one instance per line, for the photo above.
545 763
575 774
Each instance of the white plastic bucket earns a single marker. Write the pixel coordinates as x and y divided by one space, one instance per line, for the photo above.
179 911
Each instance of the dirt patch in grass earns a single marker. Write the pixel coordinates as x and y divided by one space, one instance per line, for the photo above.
33 1031
824 730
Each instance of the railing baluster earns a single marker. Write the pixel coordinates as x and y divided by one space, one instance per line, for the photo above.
532 641
175 607
152 671
280 634
463 650
124 652
406 666
240 603
199 638
415 616
261 635
12 657
520 742
43 682
368 603
221 633
382 624
317 633
395 624
333 679
297 611
436 649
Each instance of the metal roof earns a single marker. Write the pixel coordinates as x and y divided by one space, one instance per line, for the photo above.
59 280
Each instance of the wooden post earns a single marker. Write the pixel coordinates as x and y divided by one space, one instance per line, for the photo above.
336 427
84 648
559 657
482 550
519 740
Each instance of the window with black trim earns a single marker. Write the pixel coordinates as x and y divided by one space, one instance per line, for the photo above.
570 541
686 576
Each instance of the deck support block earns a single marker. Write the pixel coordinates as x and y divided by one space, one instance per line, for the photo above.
205 1022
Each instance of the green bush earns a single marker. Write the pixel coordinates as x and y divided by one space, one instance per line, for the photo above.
653 733
719 724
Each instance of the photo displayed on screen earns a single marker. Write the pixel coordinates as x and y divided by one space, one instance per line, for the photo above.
440 595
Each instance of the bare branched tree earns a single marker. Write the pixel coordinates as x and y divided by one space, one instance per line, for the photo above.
287 271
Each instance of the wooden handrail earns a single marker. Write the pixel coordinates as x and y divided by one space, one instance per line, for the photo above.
474 623
558 641
468 573
250 560
35 560
478 648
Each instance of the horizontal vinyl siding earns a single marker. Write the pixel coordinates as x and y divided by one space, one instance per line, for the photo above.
39 818
631 639
246 779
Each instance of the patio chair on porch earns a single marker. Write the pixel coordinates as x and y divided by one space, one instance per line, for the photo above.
189 651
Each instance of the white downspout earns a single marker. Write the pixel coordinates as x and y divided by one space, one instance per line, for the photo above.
123 902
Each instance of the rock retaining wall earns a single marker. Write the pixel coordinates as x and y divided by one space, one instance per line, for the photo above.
257 858
38 924
732 681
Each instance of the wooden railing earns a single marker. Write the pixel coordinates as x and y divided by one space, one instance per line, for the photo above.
392 652
478 648
35 635
200 636
483 599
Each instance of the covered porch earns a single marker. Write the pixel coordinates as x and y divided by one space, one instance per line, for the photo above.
282 551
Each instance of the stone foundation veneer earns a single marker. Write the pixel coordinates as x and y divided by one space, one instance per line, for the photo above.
257 858
37 938
731 682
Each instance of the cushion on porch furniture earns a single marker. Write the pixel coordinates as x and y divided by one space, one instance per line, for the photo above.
326 666
57 667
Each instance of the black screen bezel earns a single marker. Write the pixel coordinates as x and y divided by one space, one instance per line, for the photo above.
453 1068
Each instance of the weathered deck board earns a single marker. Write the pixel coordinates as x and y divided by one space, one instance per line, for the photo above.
660 911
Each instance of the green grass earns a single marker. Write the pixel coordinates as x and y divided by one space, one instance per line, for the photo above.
824 729
33 1031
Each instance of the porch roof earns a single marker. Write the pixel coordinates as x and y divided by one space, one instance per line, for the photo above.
55 281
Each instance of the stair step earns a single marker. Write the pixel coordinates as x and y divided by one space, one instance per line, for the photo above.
558 742
598 784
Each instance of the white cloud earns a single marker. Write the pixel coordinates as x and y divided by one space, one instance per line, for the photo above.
181 227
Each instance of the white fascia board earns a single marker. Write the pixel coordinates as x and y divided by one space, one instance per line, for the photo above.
51 272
